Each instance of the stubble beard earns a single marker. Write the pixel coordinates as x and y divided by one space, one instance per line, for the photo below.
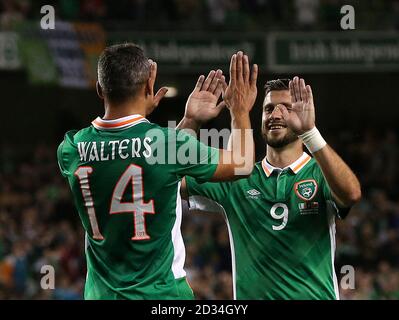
279 142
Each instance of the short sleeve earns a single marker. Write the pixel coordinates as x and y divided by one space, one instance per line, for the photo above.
60 159
66 152
193 158
216 191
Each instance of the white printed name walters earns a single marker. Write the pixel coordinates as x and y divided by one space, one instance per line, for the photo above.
109 150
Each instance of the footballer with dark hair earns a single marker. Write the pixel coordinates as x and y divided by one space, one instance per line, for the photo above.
128 201
281 219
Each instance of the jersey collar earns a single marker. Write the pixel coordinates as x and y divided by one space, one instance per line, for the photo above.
117 124
295 166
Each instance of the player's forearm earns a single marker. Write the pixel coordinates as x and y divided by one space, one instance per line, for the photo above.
230 141
239 160
340 178
230 144
241 142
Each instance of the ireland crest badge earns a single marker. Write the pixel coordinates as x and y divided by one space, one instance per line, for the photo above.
306 189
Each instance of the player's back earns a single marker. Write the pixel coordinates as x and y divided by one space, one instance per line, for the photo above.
127 196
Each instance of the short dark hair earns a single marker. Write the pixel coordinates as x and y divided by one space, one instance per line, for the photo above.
122 69
277 85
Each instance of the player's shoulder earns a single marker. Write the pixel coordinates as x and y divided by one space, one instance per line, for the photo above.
169 134
252 179
69 138
72 137
258 170
257 166
149 126
66 149
311 169
312 163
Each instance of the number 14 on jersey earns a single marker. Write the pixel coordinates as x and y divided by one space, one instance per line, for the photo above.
134 175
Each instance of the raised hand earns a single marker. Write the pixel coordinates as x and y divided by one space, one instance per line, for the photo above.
202 104
161 92
301 116
240 95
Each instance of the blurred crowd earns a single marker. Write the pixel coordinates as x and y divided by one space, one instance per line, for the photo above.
39 226
368 238
244 15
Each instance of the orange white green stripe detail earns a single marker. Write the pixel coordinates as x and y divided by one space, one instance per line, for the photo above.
117 124
296 166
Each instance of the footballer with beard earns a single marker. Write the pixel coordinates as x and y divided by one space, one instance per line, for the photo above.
281 219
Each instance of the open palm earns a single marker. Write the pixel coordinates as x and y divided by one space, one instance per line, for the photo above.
202 104
301 116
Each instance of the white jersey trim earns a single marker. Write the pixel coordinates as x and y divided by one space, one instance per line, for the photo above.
204 204
179 251
296 166
332 230
118 124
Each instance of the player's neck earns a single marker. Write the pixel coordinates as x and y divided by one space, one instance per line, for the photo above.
113 111
283 157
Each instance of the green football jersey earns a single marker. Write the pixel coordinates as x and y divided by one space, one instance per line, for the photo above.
281 225
125 181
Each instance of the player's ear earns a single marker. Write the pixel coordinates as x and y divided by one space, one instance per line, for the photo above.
99 90
149 87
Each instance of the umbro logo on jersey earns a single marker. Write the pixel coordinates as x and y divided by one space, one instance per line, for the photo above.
253 194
